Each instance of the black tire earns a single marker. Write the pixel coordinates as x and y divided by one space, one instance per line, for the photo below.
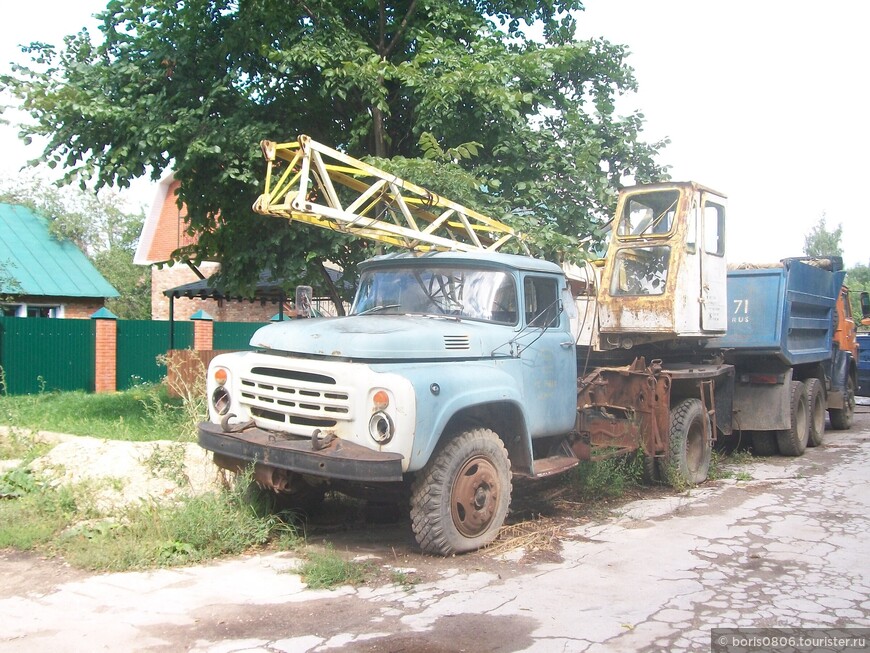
460 499
650 468
793 440
816 407
690 444
764 443
841 418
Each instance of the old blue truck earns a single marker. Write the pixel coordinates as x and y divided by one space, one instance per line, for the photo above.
791 340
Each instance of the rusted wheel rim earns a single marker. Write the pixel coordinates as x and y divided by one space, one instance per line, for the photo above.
474 497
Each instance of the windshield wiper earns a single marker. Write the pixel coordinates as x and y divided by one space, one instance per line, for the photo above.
379 308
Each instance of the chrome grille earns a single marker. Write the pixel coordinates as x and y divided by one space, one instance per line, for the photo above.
295 398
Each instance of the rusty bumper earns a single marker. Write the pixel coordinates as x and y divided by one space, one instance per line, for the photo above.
339 459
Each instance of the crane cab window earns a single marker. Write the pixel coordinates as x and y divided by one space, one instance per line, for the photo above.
648 214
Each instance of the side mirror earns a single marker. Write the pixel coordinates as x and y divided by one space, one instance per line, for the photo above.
303 301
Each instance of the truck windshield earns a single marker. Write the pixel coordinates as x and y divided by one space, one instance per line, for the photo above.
476 294
648 214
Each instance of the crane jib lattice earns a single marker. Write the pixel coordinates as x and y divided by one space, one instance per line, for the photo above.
311 183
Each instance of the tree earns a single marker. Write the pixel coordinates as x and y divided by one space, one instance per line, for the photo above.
197 85
821 242
99 227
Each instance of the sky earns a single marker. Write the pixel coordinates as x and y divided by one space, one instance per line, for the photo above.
762 100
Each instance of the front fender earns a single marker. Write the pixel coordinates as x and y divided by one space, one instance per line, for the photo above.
443 391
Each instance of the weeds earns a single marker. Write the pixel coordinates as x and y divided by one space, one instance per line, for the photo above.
36 515
142 413
608 477
722 465
167 461
326 569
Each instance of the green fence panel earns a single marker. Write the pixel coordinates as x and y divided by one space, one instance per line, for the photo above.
234 335
140 342
47 354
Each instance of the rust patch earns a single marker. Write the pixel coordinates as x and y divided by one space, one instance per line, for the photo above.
621 409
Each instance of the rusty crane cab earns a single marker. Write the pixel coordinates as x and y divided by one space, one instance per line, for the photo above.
665 273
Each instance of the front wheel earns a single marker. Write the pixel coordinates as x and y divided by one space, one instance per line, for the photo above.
460 499
690 444
841 418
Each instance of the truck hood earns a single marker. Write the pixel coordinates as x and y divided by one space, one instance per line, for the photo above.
385 337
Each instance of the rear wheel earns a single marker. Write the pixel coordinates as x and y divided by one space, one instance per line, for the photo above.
460 499
816 406
841 418
793 440
690 444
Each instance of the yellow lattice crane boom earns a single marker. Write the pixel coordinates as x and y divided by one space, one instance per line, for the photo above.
309 182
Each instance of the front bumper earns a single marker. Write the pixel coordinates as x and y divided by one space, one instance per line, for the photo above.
339 459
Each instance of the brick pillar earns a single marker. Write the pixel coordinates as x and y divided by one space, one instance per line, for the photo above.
203 331
105 350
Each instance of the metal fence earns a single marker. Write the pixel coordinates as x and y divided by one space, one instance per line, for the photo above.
234 335
140 343
39 354
42 354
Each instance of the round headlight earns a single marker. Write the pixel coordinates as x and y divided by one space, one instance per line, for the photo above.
381 428
220 399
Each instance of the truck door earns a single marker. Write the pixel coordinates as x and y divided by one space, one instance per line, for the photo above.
713 267
549 362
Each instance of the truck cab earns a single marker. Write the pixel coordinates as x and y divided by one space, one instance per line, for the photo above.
664 278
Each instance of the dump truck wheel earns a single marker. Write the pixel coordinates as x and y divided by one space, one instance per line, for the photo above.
764 443
690 444
841 418
460 499
816 406
793 440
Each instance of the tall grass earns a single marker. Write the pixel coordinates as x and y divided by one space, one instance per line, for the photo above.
145 412
65 521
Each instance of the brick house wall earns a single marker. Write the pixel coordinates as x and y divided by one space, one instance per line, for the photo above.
164 232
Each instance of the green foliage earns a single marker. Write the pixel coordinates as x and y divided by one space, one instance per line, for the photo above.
727 465
858 281
63 520
142 413
99 227
823 242
197 85
608 477
327 569
34 512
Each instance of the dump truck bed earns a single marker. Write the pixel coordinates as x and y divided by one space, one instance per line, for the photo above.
782 310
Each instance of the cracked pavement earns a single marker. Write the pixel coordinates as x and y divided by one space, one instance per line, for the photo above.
787 548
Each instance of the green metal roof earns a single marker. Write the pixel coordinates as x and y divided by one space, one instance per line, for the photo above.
40 263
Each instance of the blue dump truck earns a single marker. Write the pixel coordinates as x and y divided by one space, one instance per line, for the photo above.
791 340
864 364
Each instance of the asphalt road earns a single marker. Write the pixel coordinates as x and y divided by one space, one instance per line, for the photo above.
788 548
